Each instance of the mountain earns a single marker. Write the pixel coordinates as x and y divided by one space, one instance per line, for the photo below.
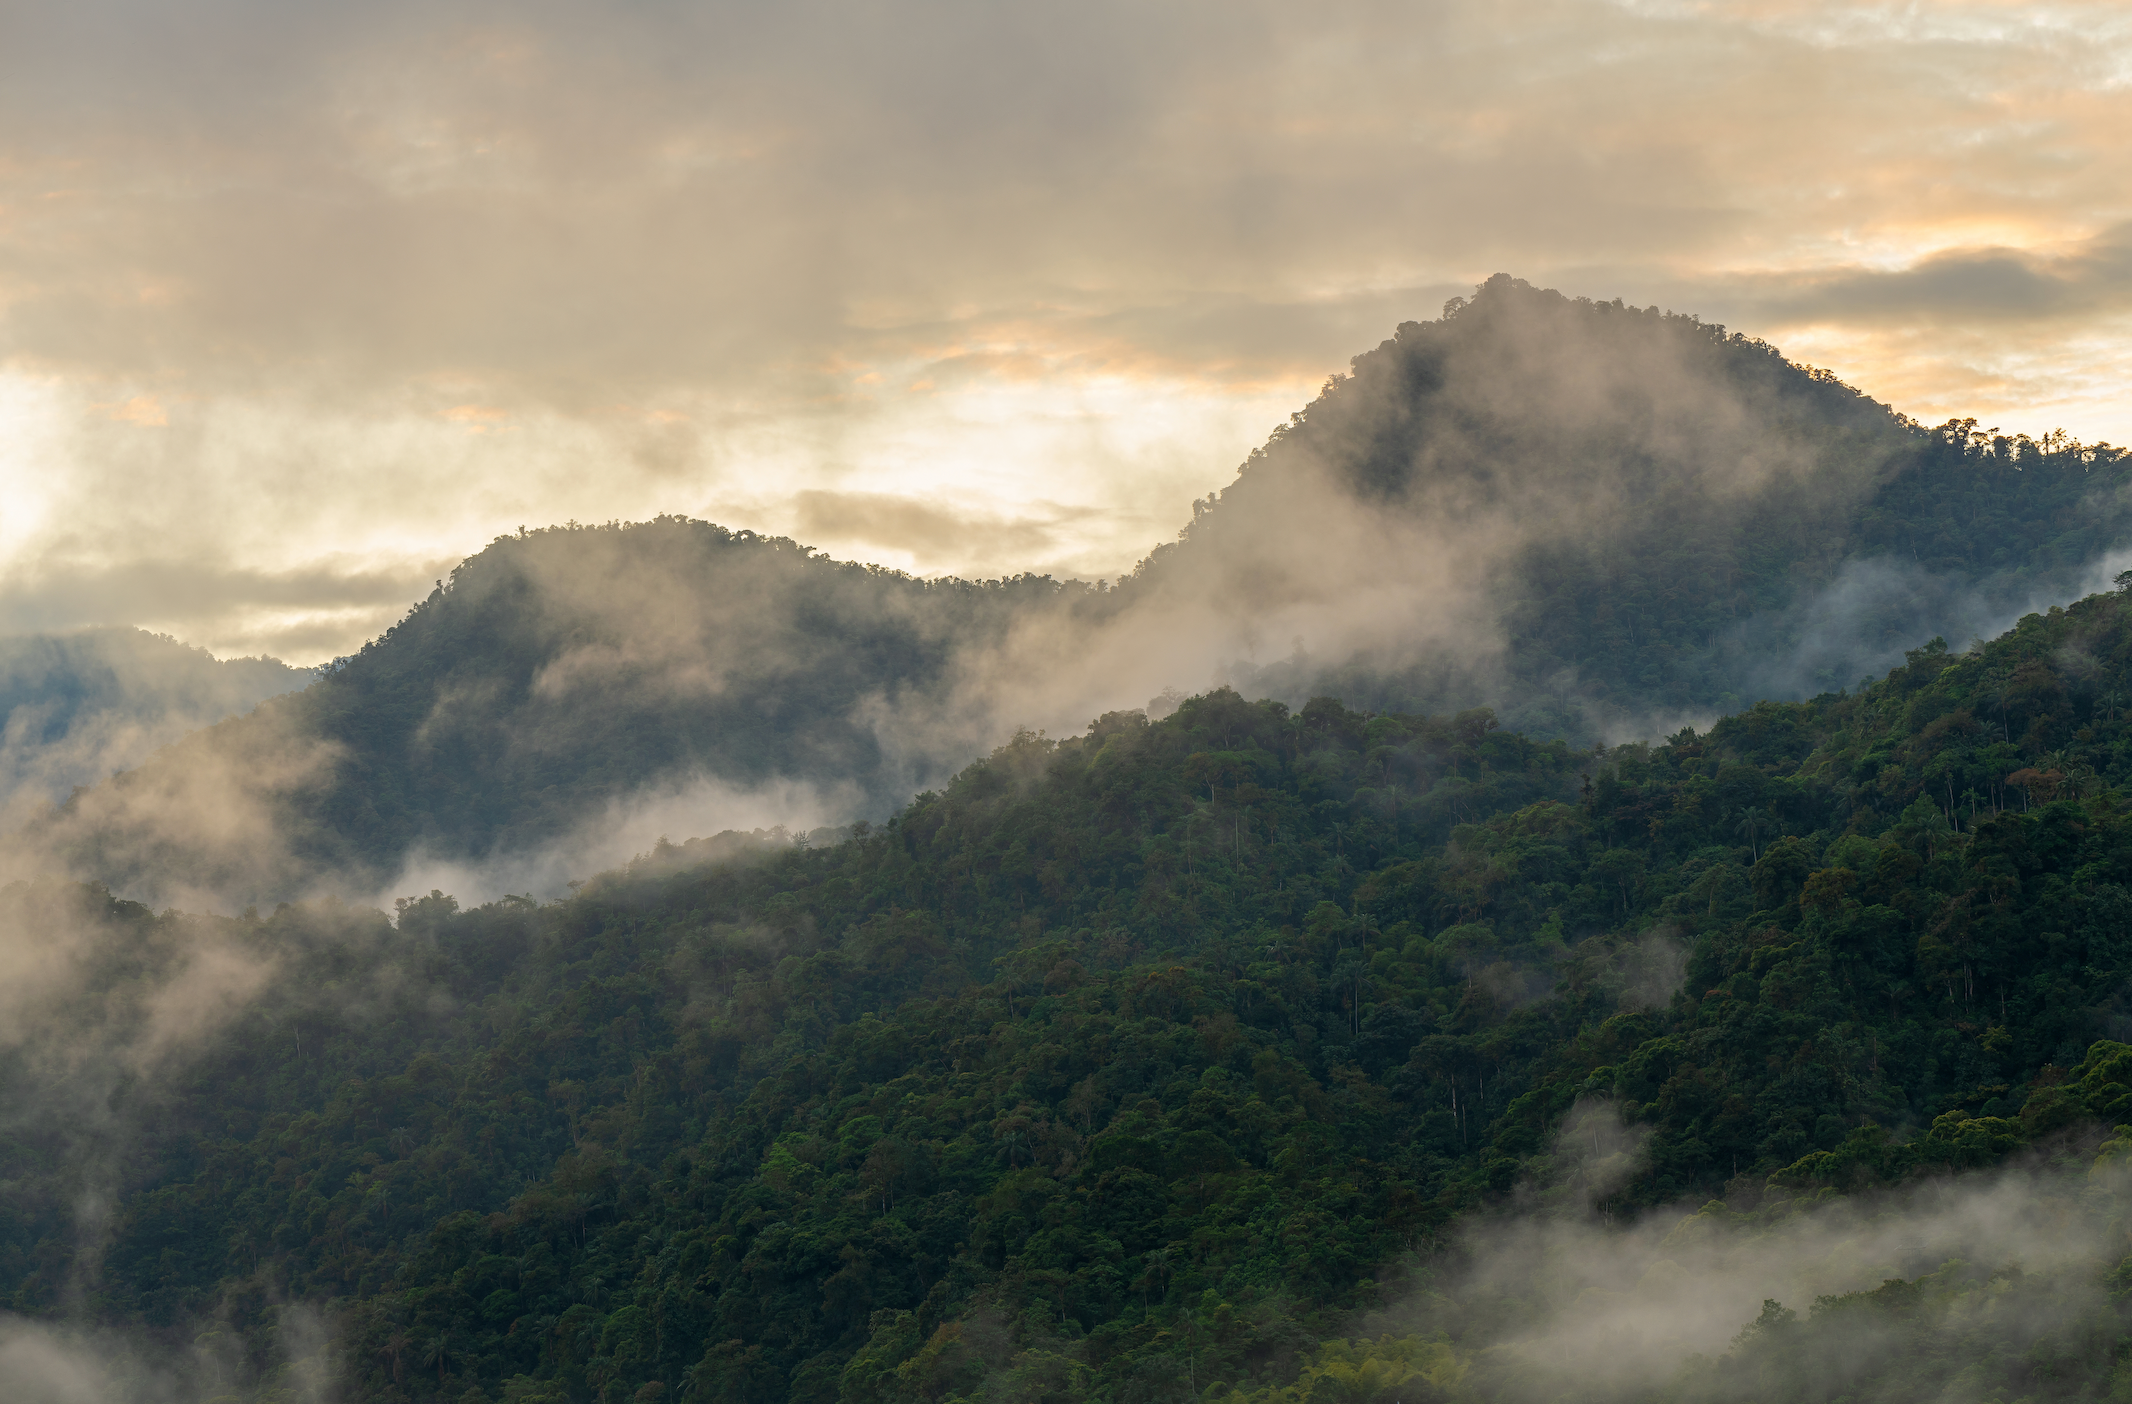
1595 517
1292 1055
556 677
1600 521
76 707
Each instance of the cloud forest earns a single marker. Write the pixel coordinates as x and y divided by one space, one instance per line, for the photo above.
1598 868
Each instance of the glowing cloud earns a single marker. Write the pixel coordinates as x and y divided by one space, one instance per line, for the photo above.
282 288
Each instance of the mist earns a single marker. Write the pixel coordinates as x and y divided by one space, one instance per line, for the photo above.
102 1005
1561 1293
1568 511
124 1037
628 828
79 707
1877 609
49 1363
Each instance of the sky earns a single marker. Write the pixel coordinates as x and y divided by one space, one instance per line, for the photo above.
302 303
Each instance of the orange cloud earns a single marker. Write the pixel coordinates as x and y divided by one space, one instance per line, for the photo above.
145 410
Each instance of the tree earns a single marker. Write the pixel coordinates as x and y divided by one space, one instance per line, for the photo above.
1753 823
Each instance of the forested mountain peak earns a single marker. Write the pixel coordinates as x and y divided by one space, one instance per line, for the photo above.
556 679
1592 515
1515 385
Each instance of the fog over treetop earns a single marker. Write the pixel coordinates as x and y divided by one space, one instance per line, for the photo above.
1599 519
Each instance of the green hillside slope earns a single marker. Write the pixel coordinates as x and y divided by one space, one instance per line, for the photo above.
1172 1055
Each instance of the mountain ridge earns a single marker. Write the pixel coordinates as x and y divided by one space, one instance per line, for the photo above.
1589 517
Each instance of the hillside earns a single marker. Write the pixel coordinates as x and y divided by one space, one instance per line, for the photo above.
558 675
1309 1054
76 707
1593 517
1600 521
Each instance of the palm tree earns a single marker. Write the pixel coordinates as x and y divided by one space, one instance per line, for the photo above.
1753 824
1157 1273
395 1345
437 1352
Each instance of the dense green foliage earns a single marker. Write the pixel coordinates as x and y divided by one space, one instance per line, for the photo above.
1145 1061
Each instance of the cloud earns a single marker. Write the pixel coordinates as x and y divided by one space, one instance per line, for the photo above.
708 259
674 808
1965 287
902 525
1562 1294
55 594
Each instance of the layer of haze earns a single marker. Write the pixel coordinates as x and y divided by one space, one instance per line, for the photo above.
301 303
1558 1304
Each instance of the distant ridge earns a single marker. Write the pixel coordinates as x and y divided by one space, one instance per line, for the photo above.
556 673
1598 520
76 706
